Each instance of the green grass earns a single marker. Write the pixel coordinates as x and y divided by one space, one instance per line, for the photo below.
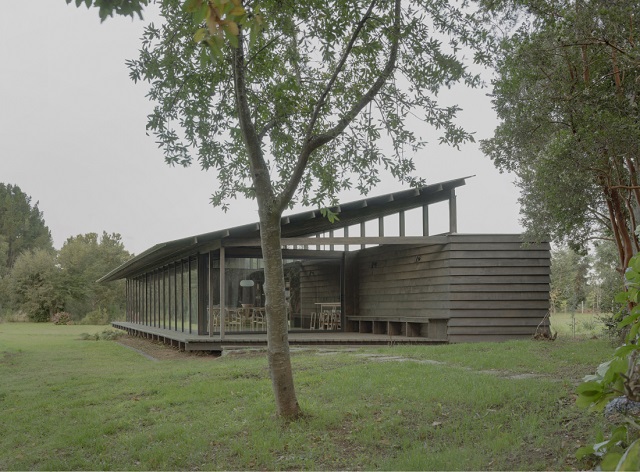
67 404
577 325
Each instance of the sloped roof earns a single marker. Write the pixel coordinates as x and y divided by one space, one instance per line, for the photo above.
297 225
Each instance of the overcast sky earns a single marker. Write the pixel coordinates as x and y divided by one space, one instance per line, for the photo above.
72 136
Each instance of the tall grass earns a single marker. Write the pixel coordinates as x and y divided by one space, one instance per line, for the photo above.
68 404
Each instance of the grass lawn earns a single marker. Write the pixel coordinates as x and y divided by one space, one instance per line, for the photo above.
94 405
578 325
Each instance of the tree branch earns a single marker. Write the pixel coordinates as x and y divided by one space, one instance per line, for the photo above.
314 142
259 171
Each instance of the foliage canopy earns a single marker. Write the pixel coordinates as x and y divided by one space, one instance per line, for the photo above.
566 92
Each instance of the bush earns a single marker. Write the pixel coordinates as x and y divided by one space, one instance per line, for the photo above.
96 317
106 335
62 318
16 317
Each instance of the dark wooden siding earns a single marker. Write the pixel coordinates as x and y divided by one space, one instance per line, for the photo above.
499 289
319 282
488 287
404 282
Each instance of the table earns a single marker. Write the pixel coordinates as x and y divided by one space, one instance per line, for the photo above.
328 316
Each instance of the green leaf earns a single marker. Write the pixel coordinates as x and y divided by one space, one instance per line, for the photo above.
625 350
200 35
610 460
627 320
630 460
621 297
584 451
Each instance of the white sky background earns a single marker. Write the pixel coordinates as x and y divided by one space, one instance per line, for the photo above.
72 136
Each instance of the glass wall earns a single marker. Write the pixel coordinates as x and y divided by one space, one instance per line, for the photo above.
166 297
185 295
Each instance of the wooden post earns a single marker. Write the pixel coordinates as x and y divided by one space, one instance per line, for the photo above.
331 236
401 223
190 295
346 235
210 290
425 220
381 226
453 213
222 293
363 232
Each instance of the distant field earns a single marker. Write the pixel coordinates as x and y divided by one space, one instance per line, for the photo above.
580 325
68 404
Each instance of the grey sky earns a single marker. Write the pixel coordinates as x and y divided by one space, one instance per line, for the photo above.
72 136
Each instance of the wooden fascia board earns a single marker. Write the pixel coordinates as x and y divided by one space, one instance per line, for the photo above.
339 240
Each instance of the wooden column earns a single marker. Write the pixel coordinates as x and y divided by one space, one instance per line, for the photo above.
210 290
381 226
190 295
453 213
331 236
425 220
401 223
363 232
223 302
346 235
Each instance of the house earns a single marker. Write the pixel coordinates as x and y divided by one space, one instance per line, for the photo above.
343 285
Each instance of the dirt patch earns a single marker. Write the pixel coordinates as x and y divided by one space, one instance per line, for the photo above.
157 351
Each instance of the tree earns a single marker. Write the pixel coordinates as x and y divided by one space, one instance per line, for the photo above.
568 286
36 285
605 281
83 260
22 226
567 93
294 101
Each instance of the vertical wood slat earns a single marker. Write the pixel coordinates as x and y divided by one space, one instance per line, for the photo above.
453 212
182 296
346 235
363 232
331 246
210 291
222 292
401 223
381 226
165 276
190 296
425 220
175 296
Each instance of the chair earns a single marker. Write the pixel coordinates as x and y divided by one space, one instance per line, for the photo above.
258 318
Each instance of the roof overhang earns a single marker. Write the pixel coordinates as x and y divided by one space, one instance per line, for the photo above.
307 223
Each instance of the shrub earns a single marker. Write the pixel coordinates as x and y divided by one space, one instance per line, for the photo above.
16 317
96 317
106 335
62 318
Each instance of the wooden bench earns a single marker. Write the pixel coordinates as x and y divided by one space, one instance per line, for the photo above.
399 326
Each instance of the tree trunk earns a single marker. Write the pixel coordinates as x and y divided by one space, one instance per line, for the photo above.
277 323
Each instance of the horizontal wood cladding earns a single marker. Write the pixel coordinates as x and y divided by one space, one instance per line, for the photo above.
542 287
491 330
499 279
485 338
495 238
504 313
492 321
487 286
497 304
391 314
501 254
413 295
319 282
488 262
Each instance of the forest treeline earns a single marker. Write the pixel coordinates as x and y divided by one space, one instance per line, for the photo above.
37 281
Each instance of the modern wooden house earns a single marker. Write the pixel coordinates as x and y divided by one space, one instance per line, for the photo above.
344 285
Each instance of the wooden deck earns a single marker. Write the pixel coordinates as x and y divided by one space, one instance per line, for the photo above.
193 342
